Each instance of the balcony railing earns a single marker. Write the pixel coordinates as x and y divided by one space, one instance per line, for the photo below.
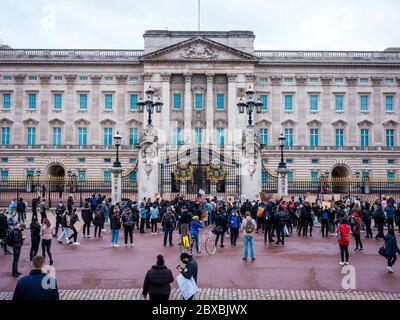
64 147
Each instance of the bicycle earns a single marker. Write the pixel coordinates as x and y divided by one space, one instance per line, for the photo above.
207 242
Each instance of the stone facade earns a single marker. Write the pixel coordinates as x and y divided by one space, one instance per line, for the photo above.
215 68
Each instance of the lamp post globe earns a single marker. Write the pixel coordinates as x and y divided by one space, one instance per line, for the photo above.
150 105
250 105
282 140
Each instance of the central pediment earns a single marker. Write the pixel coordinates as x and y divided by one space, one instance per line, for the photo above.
199 49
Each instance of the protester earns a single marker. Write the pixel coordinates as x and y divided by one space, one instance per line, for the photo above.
35 229
31 287
281 218
220 228
87 217
43 207
367 215
157 282
234 226
21 210
143 216
195 226
98 222
115 224
66 222
248 228
390 213
128 223
4 232
154 215
190 270
343 239
391 249
47 231
59 215
17 243
73 220
356 229
325 222
168 223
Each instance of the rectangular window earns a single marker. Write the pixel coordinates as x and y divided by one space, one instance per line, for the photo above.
108 136
30 160
290 176
132 161
289 161
7 78
314 137
83 101
177 136
198 101
288 103
390 138
107 160
6 101
263 80
314 161
32 101
220 136
134 102
365 161
133 136
288 80
264 136
32 78
313 80
108 101
31 136
389 81
108 78
58 78
58 101
84 78
81 175
339 103
339 137
365 174
82 136
364 81
198 135
314 176
133 177
339 80
4 160
389 104
364 103
391 176
4 175
289 137
220 101
364 137
177 101
264 177
56 136
264 101
82 160
107 175
134 79
313 103
30 173
5 136
391 161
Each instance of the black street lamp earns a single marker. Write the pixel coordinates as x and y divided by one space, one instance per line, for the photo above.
150 104
250 105
117 138
282 140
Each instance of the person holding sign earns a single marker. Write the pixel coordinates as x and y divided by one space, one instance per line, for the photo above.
189 271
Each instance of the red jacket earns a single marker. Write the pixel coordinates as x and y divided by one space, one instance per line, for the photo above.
345 231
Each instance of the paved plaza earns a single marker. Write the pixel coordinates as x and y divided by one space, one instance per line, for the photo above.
305 268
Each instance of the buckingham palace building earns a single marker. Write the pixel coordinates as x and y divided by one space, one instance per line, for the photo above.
61 108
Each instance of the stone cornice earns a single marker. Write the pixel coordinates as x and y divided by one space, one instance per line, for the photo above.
351 80
82 121
6 121
301 80
56 121
108 121
233 77
377 81
314 123
326 80
121 78
165 76
20 78
96 78
71 78
276 80
30 121
365 123
289 123
147 76
390 123
45 78
340 123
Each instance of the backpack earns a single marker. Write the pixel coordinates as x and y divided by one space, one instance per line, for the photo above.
249 228
168 221
9 240
128 221
260 212
325 216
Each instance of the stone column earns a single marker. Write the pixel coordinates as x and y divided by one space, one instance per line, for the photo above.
276 106
188 105
250 163
116 185
282 182
210 109
352 102
20 107
232 107
324 109
165 115
148 163
375 107
68 106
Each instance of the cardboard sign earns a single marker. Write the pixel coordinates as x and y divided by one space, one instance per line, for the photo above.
311 199
79 224
326 204
336 197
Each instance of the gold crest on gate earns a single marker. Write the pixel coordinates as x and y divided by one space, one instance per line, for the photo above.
215 171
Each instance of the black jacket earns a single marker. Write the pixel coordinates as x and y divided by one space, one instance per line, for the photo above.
21 207
115 223
220 220
3 226
87 215
31 288
190 270
18 240
157 281
281 218
35 231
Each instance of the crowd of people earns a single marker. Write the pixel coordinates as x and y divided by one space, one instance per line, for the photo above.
273 218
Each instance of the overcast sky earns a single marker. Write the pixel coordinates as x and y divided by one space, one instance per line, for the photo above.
277 24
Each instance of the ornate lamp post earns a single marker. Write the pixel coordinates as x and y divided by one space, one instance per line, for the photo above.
250 105
282 170
150 105
117 138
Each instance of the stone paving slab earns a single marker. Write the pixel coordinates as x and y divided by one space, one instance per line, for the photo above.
223 294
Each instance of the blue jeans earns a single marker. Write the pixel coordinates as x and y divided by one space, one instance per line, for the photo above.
114 236
106 217
168 231
195 237
249 241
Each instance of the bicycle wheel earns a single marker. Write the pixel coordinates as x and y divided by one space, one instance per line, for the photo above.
210 247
